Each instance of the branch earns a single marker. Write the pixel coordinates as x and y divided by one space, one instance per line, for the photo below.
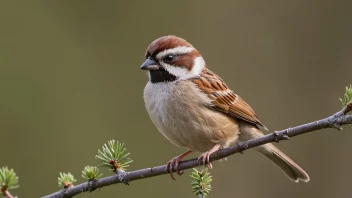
7 194
335 121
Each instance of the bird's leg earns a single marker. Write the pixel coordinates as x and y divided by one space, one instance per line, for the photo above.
205 156
175 162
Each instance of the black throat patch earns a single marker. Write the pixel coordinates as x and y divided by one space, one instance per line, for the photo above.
161 75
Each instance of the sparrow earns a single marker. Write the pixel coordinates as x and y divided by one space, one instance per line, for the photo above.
194 108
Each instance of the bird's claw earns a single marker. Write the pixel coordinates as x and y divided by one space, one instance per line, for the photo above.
204 157
170 165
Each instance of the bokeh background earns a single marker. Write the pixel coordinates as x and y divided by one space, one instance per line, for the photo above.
70 81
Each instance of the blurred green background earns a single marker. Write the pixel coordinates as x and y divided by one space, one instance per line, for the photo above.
70 81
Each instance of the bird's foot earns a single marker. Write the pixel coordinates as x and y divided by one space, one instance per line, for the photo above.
204 157
174 162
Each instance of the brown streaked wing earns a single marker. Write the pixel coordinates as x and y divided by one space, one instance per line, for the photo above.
224 99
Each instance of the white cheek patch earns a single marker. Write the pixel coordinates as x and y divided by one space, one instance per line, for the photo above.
182 73
179 72
198 65
176 50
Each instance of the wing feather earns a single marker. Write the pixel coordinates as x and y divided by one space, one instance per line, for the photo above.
224 99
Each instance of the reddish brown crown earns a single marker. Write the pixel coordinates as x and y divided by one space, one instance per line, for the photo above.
170 42
164 43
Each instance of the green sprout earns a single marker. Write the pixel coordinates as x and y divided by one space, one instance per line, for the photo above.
347 98
201 182
91 173
114 156
8 179
66 180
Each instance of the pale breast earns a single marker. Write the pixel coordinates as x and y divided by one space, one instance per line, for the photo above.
180 112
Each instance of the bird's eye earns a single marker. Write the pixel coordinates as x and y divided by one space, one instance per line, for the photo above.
169 58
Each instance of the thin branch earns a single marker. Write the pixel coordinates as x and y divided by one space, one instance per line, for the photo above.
335 121
7 194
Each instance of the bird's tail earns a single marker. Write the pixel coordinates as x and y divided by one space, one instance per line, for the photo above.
286 164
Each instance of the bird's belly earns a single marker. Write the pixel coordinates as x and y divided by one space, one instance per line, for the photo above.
186 123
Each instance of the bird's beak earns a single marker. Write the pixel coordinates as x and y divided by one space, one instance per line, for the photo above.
150 64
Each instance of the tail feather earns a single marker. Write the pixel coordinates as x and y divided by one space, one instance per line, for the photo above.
287 165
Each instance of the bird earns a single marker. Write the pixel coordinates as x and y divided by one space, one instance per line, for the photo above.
194 109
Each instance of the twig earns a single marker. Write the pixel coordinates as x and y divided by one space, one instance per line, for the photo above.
7 194
335 121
